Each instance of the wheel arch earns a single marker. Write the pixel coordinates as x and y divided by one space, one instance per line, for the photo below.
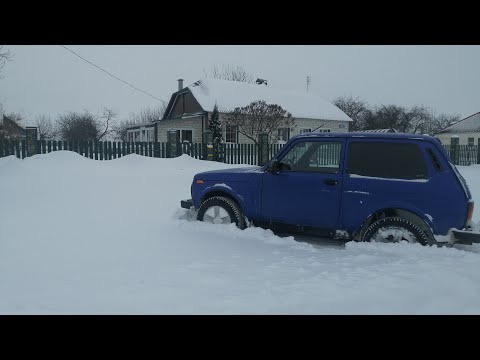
216 192
422 222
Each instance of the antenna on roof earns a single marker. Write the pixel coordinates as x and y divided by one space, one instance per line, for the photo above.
261 81
308 81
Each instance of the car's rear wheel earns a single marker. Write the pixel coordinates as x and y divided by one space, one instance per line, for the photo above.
395 229
221 210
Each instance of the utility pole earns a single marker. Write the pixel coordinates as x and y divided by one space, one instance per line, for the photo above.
308 82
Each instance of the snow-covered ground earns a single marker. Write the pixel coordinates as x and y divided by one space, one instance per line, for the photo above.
79 236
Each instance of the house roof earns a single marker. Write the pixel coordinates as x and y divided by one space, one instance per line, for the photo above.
139 125
231 94
470 124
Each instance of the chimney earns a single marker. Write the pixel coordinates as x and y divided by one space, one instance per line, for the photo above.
180 84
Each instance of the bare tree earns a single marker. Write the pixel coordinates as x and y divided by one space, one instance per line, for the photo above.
259 117
416 120
105 122
147 115
355 108
46 129
120 130
229 72
85 127
4 56
442 121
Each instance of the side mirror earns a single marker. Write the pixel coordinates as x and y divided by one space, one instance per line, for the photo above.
274 167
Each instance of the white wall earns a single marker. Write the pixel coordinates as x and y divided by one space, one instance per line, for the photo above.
191 123
463 138
195 124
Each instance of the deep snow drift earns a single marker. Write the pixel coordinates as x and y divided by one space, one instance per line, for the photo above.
79 236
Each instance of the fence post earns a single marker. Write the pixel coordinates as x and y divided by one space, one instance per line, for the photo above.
262 149
208 153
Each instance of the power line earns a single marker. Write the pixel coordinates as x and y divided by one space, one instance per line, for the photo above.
73 52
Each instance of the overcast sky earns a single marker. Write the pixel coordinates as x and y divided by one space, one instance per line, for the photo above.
46 79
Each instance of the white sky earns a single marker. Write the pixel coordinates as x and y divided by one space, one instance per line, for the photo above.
47 79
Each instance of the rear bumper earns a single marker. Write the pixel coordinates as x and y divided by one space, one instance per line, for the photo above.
186 204
463 237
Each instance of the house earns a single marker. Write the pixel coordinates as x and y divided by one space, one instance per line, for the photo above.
141 132
9 129
463 132
190 109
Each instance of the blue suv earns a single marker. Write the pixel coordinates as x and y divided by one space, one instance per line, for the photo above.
351 186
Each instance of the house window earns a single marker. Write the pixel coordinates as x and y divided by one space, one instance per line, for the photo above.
303 131
323 130
144 136
283 134
454 141
150 135
137 136
186 135
231 134
471 141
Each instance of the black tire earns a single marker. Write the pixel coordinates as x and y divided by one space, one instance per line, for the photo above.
229 206
395 229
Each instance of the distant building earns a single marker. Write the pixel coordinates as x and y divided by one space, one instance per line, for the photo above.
9 129
190 109
463 132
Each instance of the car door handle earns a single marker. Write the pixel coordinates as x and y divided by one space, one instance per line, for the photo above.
331 182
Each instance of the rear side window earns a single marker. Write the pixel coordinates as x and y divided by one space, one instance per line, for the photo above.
386 160
435 161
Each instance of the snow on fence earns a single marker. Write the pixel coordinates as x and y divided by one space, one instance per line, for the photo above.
108 150
229 153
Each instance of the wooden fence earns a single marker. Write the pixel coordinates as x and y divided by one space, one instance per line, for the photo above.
108 150
230 153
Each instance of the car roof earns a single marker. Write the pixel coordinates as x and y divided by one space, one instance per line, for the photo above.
367 135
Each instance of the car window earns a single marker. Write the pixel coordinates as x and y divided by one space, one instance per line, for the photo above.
386 160
313 156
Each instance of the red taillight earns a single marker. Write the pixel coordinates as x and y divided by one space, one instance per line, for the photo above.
470 210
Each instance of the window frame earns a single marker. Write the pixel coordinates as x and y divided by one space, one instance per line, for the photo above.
227 132
318 143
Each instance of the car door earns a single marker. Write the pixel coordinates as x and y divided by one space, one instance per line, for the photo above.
307 189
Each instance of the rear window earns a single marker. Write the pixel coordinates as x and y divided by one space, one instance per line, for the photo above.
386 160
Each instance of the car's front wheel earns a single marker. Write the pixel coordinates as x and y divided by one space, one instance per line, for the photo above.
221 210
395 229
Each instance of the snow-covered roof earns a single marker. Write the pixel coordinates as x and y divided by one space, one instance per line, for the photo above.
231 94
470 124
